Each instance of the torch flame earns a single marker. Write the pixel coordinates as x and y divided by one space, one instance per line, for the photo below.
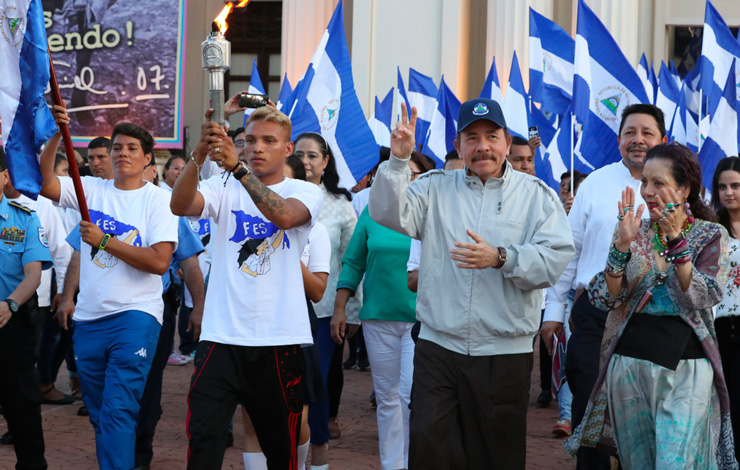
221 18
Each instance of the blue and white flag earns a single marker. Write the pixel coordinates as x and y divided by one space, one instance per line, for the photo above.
674 73
557 154
550 63
26 120
492 88
327 103
684 128
440 138
516 103
255 88
401 98
722 139
667 96
545 127
644 74
380 122
719 49
285 93
605 83
422 94
654 82
542 166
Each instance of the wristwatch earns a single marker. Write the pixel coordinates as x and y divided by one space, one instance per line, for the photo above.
12 305
242 171
501 257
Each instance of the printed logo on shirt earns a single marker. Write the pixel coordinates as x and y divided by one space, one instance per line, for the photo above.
202 227
261 239
13 234
42 238
141 352
126 233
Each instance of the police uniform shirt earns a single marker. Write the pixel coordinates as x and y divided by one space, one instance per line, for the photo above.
22 241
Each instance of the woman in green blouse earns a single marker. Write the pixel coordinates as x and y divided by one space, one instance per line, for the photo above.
388 313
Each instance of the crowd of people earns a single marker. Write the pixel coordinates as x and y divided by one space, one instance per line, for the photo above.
266 267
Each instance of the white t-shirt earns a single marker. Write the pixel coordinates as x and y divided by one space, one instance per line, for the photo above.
414 256
255 291
139 217
317 253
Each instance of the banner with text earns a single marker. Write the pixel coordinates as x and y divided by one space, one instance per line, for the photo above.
119 61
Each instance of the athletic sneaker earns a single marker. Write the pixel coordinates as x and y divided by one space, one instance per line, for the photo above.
562 428
177 360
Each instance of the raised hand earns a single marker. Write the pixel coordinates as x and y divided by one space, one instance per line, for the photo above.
60 113
629 221
669 212
402 137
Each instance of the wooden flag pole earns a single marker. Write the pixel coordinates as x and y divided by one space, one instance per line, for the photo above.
74 172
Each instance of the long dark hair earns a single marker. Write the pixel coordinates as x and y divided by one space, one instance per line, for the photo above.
686 171
726 164
330 177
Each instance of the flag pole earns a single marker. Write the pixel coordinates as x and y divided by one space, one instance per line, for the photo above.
698 128
572 152
74 172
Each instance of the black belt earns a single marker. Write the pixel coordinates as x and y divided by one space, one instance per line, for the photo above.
663 340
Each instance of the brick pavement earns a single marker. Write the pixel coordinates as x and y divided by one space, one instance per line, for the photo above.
70 442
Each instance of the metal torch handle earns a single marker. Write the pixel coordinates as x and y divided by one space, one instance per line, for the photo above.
217 103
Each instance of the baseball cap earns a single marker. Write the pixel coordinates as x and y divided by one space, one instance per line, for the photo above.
477 109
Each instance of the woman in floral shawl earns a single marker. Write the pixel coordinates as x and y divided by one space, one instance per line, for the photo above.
661 397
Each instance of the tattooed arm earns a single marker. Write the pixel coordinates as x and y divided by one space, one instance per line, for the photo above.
285 213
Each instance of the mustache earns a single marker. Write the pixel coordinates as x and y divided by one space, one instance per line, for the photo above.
642 148
481 156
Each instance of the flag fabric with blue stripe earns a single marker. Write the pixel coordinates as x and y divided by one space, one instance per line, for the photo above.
557 153
644 74
26 120
545 127
285 93
674 73
380 122
516 104
255 88
722 139
719 48
440 138
492 88
547 132
422 93
667 96
654 82
684 128
401 96
604 84
327 103
550 63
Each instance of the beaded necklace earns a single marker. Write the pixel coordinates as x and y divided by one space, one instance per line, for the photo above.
658 242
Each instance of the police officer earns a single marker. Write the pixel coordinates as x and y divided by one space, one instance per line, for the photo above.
24 253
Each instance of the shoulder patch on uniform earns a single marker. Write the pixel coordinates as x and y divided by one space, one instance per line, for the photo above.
20 206
431 172
42 237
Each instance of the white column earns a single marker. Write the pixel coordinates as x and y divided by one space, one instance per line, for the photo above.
622 19
304 22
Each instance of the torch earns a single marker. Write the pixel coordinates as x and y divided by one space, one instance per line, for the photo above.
216 55
216 51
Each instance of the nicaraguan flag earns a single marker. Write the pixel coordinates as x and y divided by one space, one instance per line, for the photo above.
327 103
544 126
492 88
26 120
542 166
719 48
285 93
605 83
380 122
516 104
667 96
654 82
557 154
423 95
644 74
550 63
402 98
674 73
684 128
440 138
255 88
722 139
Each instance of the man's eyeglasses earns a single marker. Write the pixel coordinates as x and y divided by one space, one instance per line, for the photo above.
240 143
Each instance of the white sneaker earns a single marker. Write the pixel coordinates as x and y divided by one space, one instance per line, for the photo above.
176 360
